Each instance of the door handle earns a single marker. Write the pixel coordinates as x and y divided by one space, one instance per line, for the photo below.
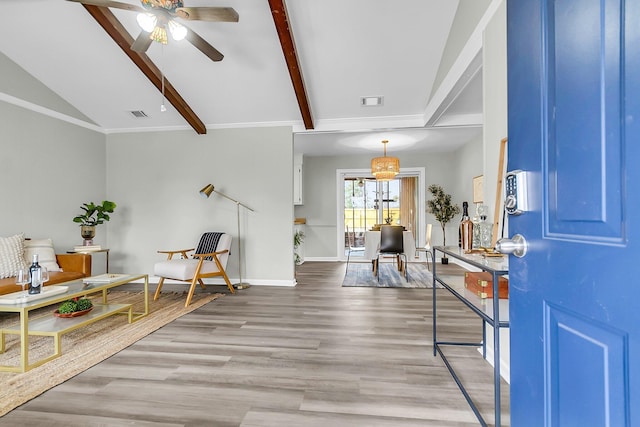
516 246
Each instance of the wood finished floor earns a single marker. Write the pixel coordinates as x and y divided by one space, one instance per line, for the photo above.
314 355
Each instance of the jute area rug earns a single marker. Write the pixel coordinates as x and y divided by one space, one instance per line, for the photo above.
85 347
361 274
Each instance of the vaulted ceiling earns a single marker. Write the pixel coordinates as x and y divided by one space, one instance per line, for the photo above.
303 63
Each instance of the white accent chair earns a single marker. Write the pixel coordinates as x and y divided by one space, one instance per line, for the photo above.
351 238
427 246
209 260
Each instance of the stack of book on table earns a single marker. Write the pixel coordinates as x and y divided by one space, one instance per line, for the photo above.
88 248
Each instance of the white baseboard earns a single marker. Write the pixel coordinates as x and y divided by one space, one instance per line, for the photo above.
505 370
256 282
322 259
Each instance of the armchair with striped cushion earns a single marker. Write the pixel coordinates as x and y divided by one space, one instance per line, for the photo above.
209 260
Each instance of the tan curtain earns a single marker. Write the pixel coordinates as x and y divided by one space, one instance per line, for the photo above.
408 202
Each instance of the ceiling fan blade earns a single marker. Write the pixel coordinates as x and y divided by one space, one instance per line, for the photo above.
212 14
203 46
109 3
142 43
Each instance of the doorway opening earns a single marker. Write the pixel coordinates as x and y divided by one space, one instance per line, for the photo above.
365 204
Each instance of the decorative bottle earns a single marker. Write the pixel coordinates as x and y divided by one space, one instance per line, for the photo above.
485 232
35 283
466 229
476 228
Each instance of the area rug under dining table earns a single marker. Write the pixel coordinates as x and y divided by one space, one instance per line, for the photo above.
361 274
84 347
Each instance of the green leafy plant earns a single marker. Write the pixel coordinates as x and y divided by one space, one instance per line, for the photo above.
95 214
442 208
67 307
84 304
76 304
298 238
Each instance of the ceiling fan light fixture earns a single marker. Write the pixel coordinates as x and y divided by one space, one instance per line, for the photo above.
178 32
147 21
159 34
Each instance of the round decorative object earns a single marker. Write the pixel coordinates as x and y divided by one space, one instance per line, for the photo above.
73 314
88 232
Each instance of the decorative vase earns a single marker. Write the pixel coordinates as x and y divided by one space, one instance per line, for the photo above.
88 232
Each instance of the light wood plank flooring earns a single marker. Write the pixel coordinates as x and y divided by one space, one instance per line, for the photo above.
314 355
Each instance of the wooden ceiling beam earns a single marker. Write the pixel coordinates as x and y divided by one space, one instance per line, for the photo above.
281 20
119 34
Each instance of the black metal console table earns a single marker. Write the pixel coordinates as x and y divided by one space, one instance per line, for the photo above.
494 312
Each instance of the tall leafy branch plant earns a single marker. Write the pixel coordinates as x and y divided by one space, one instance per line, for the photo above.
442 208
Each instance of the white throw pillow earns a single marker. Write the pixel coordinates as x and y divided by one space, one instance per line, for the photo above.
11 255
44 249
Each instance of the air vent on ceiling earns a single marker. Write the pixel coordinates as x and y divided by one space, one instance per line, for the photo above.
371 101
138 114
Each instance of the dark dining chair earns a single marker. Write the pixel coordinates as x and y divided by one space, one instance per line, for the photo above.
391 243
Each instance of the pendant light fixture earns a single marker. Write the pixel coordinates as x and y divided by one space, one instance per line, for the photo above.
385 168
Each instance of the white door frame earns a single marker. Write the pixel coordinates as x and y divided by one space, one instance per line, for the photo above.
341 174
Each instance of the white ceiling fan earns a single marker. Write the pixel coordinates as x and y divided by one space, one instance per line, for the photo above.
155 17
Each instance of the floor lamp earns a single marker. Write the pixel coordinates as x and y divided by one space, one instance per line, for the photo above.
206 192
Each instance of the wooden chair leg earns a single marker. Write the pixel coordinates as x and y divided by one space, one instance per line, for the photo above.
202 284
192 289
229 285
157 294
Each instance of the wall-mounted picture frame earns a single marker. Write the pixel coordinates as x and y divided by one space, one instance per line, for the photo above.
478 189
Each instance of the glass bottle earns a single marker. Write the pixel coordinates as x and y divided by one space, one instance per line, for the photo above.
466 229
476 229
35 285
485 232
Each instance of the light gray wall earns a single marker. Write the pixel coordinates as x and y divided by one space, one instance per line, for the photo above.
467 17
468 165
320 199
495 128
155 179
49 169
18 83
494 75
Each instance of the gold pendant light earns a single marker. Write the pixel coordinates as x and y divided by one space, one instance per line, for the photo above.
385 168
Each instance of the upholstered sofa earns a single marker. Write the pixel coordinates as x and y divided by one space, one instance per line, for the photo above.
16 251
74 266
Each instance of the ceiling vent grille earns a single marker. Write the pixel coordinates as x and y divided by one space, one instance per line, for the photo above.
371 101
138 114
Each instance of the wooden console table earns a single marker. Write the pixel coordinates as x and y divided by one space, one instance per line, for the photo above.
56 327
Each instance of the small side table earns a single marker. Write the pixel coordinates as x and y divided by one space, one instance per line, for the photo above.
92 251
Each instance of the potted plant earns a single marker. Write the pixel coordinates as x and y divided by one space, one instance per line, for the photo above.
93 215
444 211
298 238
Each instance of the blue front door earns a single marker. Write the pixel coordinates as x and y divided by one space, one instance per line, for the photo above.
574 124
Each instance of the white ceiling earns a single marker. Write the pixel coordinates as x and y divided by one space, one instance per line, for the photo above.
347 49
